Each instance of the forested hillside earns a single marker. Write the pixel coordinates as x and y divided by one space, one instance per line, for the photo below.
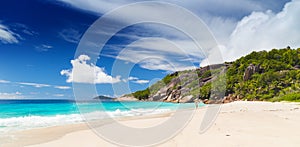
276 75
271 76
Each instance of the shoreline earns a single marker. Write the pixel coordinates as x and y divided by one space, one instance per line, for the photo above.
40 135
238 124
47 134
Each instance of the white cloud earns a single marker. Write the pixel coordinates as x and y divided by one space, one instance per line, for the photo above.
11 95
141 81
4 81
83 72
175 52
221 17
220 27
239 26
43 48
37 85
215 7
96 6
58 95
47 46
24 29
264 31
137 80
70 35
7 36
161 54
62 87
132 78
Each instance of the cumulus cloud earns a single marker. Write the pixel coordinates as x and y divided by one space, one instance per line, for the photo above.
239 26
173 53
264 31
83 72
220 16
7 36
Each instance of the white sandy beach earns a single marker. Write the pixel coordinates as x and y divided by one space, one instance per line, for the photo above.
238 124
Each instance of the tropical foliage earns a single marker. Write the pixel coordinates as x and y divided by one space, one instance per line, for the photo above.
277 79
278 75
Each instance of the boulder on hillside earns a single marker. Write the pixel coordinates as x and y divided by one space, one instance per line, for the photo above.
297 66
187 99
250 70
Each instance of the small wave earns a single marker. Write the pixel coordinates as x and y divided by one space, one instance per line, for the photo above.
30 122
119 113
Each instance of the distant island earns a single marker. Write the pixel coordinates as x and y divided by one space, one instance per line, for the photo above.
104 98
265 76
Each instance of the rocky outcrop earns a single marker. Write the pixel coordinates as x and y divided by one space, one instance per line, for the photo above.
187 99
179 88
297 67
184 86
173 95
231 98
227 99
250 70
172 92
271 72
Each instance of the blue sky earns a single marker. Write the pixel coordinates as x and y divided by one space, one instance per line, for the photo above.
39 38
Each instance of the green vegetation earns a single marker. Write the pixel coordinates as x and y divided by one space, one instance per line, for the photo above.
206 74
277 75
294 97
156 86
142 94
167 79
276 78
205 91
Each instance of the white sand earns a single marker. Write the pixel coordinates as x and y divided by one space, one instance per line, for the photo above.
238 124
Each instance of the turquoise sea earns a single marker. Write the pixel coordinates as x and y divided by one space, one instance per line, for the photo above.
28 114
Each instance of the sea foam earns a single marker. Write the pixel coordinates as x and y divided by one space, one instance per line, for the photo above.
34 121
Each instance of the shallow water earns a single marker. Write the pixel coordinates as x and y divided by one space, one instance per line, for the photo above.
27 114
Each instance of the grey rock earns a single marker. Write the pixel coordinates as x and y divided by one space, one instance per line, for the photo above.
250 70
